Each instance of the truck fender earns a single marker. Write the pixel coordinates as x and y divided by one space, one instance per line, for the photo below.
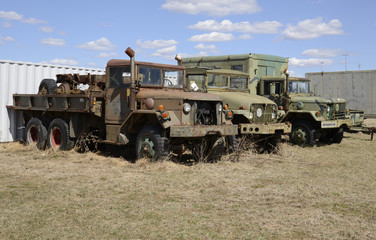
294 115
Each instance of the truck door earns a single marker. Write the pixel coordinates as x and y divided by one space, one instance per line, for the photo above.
118 90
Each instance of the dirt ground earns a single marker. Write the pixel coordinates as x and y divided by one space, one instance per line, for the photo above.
322 192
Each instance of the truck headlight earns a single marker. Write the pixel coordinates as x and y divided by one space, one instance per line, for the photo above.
250 115
220 108
273 115
187 107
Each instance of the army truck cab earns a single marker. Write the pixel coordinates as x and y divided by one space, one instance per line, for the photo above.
313 117
256 116
139 104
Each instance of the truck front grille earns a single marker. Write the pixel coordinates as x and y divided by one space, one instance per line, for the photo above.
205 113
266 115
341 113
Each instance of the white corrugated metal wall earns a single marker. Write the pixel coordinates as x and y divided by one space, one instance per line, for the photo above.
357 87
24 78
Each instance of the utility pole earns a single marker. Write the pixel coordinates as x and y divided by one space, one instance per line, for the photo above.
345 55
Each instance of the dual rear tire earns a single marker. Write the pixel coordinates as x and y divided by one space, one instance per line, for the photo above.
57 135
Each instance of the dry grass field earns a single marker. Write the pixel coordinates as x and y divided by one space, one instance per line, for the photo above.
323 192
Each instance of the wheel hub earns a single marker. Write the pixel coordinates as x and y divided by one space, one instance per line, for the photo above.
147 148
300 136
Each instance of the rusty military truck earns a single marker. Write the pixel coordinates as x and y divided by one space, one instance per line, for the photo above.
138 104
256 116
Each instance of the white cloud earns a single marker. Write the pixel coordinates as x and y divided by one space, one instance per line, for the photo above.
106 55
212 37
245 37
33 21
53 42
3 40
312 28
19 17
69 62
210 48
7 24
47 29
11 15
102 44
156 43
167 52
267 27
310 62
322 53
213 7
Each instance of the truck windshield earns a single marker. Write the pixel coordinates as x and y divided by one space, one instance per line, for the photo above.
238 82
173 79
217 81
150 76
196 83
157 77
299 87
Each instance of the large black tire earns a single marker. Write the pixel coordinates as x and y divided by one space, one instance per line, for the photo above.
232 144
150 144
338 135
47 86
36 132
58 135
303 134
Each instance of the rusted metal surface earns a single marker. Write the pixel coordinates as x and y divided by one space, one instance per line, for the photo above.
121 62
174 94
51 102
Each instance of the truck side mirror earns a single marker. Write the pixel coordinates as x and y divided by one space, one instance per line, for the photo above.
272 89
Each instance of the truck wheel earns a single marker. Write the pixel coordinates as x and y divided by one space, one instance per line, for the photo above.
338 136
232 144
36 132
150 144
303 134
58 135
47 86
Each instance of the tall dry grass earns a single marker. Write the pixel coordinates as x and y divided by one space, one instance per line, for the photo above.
324 192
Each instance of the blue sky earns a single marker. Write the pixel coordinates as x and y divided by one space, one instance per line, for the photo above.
332 35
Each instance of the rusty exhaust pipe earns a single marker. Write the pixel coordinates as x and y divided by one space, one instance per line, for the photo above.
178 59
132 97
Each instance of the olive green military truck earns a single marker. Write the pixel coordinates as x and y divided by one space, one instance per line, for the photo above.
138 104
312 117
256 116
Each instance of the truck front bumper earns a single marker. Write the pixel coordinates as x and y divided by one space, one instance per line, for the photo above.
203 130
264 128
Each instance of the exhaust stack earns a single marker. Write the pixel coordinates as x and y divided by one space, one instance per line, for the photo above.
132 97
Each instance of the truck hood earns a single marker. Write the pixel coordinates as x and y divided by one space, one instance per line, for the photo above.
313 99
175 94
237 99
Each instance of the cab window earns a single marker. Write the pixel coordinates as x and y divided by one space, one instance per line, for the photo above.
120 77
150 76
217 81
